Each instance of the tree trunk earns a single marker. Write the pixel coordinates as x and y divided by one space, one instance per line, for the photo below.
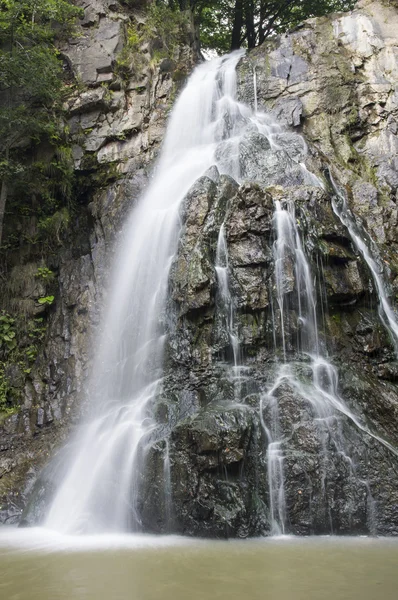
249 22
237 27
3 200
261 25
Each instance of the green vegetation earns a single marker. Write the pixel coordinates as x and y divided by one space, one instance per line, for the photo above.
45 273
19 345
164 29
46 300
7 344
7 332
231 24
37 175
31 94
129 58
36 163
167 23
223 24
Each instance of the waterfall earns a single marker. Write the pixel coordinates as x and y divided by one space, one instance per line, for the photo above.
228 308
293 278
99 491
290 262
386 312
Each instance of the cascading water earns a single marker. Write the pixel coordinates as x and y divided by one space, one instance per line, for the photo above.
228 308
99 491
293 277
100 488
208 126
290 262
386 312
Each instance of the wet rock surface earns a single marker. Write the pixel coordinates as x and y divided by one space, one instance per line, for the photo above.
206 471
337 479
117 126
334 79
330 81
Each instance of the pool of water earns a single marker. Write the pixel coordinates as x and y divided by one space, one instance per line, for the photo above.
39 565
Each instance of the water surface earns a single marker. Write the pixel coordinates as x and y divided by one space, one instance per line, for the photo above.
36 565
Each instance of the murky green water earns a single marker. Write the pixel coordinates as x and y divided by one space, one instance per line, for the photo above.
36 567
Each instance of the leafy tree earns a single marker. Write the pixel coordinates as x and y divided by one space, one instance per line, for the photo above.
264 17
30 81
230 24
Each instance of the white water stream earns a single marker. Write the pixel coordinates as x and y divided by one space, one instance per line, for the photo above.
228 311
386 312
99 491
293 277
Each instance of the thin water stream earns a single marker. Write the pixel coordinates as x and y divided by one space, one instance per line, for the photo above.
362 242
228 312
296 288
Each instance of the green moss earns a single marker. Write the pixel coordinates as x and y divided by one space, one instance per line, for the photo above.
97 176
301 50
164 30
7 397
179 75
159 54
53 226
20 342
335 95
7 413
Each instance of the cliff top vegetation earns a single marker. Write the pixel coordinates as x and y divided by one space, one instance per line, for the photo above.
226 25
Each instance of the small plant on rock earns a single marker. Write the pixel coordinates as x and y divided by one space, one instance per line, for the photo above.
45 273
7 333
46 300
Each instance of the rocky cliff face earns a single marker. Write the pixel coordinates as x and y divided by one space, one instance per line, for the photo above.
116 114
334 81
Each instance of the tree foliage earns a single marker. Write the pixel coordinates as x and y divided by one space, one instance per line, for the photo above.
230 24
30 80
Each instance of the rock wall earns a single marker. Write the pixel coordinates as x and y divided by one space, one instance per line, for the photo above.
333 80
116 118
217 445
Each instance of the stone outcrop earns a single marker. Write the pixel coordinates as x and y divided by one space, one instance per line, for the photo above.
334 81
219 484
116 125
